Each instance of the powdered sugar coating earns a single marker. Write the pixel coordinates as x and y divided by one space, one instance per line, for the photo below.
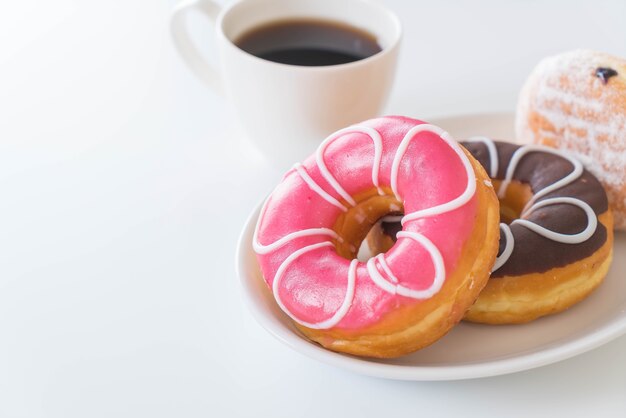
565 105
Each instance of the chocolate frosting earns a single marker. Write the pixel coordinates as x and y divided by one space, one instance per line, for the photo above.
534 253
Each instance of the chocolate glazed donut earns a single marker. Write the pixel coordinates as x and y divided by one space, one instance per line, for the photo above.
540 168
556 232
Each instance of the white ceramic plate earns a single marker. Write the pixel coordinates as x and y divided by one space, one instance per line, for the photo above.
469 350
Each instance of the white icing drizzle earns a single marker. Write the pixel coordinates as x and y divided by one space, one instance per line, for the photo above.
532 204
558 237
378 278
316 187
347 301
445 207
395 288
493 153
378 152
508 249
521 152
387 269
268 248
437 258
265 249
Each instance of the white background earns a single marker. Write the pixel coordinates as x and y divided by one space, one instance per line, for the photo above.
124 183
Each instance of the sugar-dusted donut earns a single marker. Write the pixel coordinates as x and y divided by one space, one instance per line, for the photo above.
556 232
312 224
576 101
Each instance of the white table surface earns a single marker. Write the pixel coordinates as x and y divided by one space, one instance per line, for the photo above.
123 186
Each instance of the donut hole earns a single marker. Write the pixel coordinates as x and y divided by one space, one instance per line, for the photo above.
354 225
515 198
382 236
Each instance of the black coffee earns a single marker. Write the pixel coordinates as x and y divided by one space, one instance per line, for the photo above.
309 42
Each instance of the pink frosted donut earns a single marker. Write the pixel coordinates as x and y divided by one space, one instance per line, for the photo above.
311 227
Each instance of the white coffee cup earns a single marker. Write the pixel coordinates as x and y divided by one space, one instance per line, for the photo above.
287 110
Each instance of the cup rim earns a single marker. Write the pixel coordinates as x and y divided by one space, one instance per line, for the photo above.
385 51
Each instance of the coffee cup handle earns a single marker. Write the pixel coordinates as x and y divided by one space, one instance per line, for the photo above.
186 47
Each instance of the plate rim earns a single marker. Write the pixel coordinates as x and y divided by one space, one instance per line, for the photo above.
517 363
